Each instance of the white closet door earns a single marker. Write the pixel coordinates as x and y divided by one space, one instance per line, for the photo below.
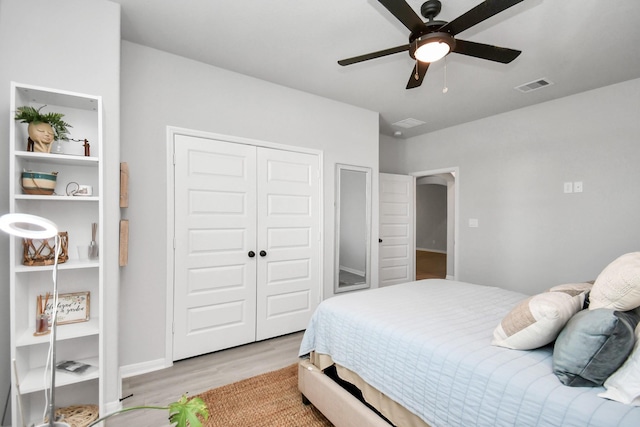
288 224
215 228
397 211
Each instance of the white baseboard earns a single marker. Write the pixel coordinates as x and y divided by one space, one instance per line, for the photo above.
110 407
352 270
142 368
450 277
438 251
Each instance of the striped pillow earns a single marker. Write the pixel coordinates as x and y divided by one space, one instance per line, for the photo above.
538 320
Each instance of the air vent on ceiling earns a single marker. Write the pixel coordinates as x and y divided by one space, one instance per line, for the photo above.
534 85
408 123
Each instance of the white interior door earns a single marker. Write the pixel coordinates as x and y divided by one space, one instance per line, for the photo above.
288 286
215 229
397 210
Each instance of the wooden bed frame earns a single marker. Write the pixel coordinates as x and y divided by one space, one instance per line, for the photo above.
338 405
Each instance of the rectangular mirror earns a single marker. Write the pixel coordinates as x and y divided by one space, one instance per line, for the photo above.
353 228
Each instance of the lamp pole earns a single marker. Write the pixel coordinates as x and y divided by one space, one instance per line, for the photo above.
35 227
54 327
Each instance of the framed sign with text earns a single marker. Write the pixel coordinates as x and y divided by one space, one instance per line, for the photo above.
72 308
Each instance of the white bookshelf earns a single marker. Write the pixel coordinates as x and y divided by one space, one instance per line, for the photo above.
81 341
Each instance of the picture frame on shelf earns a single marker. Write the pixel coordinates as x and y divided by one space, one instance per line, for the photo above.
72 307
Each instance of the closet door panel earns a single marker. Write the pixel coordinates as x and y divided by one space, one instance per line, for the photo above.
288 235
215 228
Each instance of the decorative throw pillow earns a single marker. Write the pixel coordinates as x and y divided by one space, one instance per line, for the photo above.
618 286
538 320
593 345
624 384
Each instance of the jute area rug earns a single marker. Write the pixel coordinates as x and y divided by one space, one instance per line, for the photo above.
268 400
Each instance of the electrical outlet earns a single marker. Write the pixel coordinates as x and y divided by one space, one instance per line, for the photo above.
577 187
473 222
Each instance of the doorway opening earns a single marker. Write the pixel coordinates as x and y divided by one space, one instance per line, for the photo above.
436 221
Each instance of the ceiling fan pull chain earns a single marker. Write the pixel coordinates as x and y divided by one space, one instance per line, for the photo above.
416 75
445 89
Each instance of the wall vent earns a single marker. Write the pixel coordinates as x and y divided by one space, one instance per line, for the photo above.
534 85
408 123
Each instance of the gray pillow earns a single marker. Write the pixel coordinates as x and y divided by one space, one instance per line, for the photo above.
593 345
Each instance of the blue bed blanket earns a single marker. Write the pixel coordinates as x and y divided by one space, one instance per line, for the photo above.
427 345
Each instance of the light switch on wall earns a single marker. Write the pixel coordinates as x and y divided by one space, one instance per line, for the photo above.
568 187
473 222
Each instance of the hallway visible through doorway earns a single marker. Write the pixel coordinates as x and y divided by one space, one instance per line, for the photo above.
430 265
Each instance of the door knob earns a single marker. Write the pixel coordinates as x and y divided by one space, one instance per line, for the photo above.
263 253
379 240
251 254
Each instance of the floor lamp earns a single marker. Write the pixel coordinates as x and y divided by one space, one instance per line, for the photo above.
35 227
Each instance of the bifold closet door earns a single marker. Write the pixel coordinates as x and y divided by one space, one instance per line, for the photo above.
288 276
247 243
215 233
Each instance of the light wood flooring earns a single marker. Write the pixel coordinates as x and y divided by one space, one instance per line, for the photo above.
199 374
430 265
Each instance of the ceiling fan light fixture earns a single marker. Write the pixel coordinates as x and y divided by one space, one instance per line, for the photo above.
432 47
432 51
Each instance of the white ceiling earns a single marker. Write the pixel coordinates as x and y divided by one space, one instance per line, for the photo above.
576 44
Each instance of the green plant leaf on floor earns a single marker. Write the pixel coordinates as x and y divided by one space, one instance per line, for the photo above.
185 412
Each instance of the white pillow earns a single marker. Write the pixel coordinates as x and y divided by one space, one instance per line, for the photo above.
538 320
624 384
618 286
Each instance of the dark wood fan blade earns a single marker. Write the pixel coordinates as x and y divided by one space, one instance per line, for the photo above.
373 55
405 14
486 51
417 75
478 14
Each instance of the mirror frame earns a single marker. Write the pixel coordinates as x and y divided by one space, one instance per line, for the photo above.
336 280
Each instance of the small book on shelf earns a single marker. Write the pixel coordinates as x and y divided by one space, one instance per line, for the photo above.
73 366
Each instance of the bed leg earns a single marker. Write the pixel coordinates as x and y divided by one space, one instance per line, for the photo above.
305 401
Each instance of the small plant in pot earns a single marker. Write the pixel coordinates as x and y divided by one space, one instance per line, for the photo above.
43 129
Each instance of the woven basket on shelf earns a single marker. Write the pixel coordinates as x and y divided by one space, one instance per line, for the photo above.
77 415
42 251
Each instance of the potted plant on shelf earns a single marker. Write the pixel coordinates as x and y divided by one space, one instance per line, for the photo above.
183 413
43 129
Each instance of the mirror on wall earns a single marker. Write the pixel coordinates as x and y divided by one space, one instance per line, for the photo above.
353 228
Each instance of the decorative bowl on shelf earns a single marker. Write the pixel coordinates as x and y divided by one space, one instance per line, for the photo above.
39 183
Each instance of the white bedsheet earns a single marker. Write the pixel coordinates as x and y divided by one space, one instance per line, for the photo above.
426 345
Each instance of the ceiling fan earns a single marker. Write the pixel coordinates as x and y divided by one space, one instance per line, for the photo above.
432 40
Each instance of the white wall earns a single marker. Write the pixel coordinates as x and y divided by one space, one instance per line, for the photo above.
392 154
531 235
160 90
71 45
431 217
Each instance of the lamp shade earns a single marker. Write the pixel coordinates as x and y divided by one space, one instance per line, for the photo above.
28 226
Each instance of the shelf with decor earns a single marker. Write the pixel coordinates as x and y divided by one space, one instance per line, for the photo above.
57 198
62 181
85 329
33 381
72 264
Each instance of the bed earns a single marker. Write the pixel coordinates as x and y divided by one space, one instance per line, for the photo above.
421 355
